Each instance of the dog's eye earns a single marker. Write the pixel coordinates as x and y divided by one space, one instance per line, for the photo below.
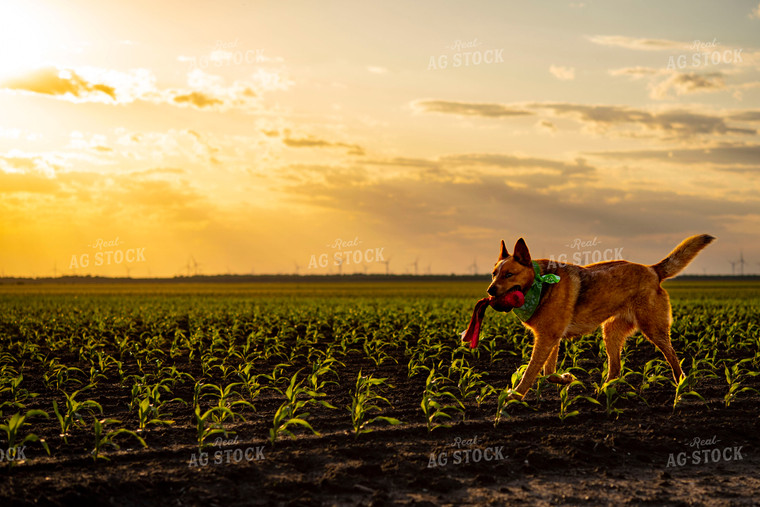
507 275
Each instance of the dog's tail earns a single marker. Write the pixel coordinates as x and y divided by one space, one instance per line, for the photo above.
681 256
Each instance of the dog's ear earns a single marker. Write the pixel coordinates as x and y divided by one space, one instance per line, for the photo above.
522 255
503 254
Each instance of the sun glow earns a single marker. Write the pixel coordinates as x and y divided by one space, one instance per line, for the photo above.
29 36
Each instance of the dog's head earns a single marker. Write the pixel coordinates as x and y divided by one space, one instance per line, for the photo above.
512 272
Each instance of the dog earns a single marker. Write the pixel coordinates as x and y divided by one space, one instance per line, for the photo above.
621 296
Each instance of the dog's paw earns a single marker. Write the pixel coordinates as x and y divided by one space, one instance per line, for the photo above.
563 379
514 395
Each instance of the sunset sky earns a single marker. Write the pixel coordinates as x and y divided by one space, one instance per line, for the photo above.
250 136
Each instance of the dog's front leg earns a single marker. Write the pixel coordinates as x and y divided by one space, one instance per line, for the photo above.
542 348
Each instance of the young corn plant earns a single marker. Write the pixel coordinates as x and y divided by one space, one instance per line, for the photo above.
18 395
504 403
469 382
60 375
150 407
734 379
74 413
206 426
434 404
290 413
684 388
652 375
12 429
227 397
364 401
566 402
317 384
613 391
105 438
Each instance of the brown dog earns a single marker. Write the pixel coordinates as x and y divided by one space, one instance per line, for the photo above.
621 296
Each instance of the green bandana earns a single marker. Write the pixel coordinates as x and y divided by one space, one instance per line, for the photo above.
533 296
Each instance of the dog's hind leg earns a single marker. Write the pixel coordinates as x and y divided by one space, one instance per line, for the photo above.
654 321
616 330
550 367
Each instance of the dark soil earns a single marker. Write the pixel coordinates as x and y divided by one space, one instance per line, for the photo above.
590 459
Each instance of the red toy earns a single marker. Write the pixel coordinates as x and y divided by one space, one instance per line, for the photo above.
505 303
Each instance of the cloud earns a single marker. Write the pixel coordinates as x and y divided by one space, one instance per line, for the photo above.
313 142
546 125
725 154
484 110
746 116
674 124
562 73
198 99
637 44
513 162
204 91
689 83
637 72
483 200
755 12
525 171
17 161
61 82
377 70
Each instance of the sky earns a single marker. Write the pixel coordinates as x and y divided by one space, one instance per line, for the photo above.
172 138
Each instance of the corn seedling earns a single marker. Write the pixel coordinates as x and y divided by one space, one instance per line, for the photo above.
291 412
227 397
684 388
206 426
105 438
733 377
504 403
652 375
12 429
364 401
566 402
434 404
17 393
613 391
75 412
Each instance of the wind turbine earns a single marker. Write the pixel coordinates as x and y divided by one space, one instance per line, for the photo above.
126 267
415 264
298 268
192 263
427 270
387 263
474 266
741 263
365 267
733 267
